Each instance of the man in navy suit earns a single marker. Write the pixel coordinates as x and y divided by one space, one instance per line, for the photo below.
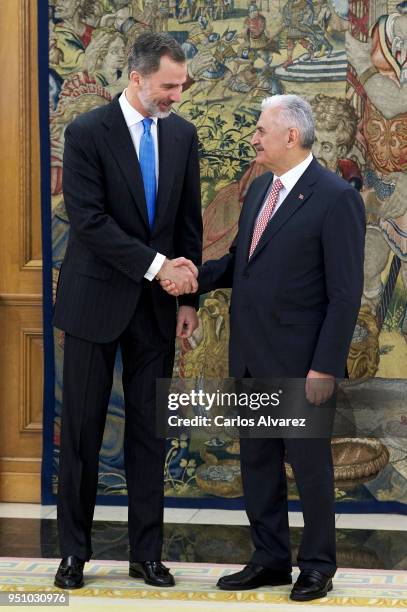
296 272
132 194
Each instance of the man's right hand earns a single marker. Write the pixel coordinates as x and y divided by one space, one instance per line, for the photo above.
178 276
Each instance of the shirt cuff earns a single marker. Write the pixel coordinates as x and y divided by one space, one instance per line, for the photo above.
155 267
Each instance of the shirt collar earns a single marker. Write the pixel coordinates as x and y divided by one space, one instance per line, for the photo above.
290 177
131 115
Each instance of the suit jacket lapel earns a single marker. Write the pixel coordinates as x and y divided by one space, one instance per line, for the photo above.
167 155
120 143
297 197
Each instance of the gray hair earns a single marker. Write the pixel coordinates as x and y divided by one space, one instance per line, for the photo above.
295 112
148 49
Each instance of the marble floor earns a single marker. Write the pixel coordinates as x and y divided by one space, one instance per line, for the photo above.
392 522
203 536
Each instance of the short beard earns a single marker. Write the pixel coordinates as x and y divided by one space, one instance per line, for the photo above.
162 115
153 108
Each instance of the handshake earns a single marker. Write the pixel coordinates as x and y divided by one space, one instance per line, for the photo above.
178 276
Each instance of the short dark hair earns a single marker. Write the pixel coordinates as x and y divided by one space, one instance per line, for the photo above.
148 49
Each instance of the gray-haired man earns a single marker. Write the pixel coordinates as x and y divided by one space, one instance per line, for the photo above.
296 272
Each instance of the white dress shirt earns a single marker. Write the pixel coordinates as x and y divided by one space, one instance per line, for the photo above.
134 121
289 179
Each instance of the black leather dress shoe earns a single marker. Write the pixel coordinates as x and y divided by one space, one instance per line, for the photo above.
70 573
311 584
152 572
252 577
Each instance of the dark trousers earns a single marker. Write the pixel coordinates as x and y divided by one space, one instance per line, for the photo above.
265 493
87 384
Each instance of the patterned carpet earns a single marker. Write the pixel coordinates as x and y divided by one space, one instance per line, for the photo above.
108 581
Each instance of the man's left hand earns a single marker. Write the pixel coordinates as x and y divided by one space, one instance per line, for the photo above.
319 387
187 321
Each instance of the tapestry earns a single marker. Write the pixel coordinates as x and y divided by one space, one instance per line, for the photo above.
348 58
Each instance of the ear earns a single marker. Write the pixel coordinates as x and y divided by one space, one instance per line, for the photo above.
293 138
135 77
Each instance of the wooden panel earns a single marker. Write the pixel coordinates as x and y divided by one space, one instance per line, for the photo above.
20 479
21 378
21 384
21 351
30 205
31 383
20 229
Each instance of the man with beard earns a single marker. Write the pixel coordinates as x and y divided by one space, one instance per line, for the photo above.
132 195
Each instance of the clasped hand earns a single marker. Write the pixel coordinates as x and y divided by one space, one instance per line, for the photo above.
178 276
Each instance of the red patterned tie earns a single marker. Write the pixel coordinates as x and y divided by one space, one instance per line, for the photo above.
265 215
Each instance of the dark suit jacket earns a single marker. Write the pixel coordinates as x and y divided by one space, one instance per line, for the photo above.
110 245
295 303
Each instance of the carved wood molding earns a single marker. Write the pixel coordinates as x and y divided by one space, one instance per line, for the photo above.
20 464
29 379
19 299
27 85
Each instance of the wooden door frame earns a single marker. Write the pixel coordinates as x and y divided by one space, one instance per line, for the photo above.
21 329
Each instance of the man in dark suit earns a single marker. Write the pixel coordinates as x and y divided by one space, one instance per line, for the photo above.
132 193
296 272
